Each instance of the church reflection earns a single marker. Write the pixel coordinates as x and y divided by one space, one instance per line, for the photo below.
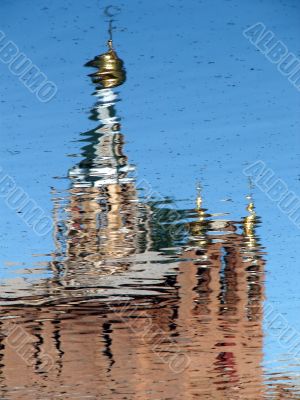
105 340
105 227
101 229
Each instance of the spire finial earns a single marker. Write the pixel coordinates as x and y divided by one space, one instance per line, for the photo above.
110 44
111 12
199 197
250 206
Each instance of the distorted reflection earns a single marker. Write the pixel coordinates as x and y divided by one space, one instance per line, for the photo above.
136 285
105 228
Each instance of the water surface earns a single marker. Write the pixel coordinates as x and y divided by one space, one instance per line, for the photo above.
165 266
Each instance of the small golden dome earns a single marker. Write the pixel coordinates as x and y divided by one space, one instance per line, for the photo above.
111 71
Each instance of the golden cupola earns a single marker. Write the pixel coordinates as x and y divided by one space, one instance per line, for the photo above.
200 226
249 225
111 71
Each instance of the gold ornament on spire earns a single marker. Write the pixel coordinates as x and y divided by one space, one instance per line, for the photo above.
199 227
111 71
249 224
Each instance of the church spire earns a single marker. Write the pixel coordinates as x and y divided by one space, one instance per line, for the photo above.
250 221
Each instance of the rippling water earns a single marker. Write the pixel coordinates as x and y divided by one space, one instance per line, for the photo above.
166 272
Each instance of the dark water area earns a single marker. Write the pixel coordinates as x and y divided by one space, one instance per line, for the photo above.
144 252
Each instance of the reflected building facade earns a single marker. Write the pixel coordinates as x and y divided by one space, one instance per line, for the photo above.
221 300
212 315
194 330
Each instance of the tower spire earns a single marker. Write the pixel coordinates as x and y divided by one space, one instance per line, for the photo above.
110 68
250 221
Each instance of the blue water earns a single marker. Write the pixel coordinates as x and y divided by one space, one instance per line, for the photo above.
200 103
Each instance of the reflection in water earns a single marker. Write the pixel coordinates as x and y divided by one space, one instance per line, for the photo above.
106 229
144 301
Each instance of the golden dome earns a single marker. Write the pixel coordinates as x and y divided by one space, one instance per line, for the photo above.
111 71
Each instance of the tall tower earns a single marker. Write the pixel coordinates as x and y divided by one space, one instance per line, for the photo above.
100 228
220 301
